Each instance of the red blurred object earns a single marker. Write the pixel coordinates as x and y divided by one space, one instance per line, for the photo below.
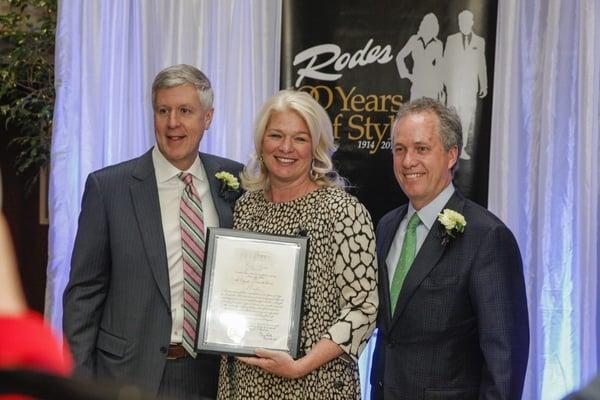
26 341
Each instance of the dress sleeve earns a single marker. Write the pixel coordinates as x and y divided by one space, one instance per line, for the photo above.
355 266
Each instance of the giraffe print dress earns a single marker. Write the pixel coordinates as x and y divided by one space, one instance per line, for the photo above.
340 297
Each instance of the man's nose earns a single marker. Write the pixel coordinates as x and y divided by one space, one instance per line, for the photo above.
409 159
173 120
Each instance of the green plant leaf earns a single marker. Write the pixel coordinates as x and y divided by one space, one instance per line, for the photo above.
27 35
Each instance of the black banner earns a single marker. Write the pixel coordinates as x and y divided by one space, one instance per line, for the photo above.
361 59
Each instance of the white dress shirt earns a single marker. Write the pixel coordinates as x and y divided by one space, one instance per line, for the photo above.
170 189
427 215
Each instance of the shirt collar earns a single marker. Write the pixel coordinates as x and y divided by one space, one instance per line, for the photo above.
165 171
429 213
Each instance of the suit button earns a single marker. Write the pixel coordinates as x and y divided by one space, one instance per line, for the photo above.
338 385
163 350
380 384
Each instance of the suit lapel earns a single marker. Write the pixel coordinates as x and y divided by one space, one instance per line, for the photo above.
144 195
211 167
429 254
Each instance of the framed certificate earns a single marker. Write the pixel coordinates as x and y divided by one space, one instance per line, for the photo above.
252 292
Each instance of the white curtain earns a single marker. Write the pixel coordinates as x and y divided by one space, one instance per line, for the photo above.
544 178
107 54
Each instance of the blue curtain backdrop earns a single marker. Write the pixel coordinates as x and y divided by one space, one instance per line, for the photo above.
544 172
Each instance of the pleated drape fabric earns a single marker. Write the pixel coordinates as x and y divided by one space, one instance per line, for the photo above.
545 178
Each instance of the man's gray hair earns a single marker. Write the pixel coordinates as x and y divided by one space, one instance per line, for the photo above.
449 126
183 74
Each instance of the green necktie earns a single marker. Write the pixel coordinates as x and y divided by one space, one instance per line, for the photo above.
407 255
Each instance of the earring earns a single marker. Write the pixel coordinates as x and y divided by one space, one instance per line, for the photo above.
260 159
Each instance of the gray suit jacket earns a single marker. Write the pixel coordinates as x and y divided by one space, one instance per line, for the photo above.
460 329
117 317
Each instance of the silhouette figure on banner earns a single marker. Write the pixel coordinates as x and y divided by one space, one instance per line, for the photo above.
465 74
426 51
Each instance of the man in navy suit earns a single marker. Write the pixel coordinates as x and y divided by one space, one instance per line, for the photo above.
123 305
457 327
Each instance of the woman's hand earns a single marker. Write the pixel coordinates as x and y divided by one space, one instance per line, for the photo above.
282 364
276 362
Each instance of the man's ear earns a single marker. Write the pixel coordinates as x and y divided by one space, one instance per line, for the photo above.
209 117
453 152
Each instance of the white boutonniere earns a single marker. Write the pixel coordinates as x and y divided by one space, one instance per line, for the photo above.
453 222
230 186
228 181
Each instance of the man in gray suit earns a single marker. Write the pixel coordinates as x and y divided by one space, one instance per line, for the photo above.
453 313
123 305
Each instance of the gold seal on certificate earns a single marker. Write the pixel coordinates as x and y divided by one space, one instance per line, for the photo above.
252 292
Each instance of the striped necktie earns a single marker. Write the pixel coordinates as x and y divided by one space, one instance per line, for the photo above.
192 248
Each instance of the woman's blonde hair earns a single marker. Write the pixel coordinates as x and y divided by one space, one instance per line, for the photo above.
255 175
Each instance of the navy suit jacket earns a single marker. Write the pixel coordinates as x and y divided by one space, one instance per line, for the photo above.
460 329
117 312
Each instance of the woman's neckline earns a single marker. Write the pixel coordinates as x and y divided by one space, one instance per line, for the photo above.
312 189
